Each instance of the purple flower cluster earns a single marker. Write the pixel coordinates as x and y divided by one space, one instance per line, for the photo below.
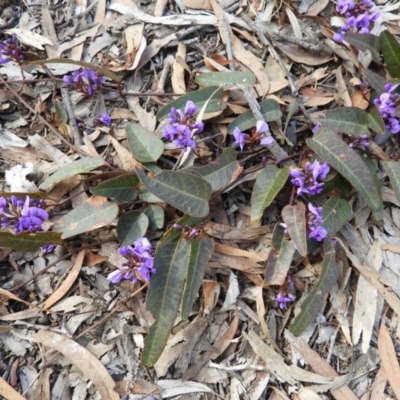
86 81
285 295
10 50
387 103
139 265
314 222
358 17
261 128
23 215
102 119
307 181
362 140
183 126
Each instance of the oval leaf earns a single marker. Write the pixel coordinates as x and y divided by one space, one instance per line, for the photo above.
364 42
164 295
226 78
392 168
376 81
155 214
350 120
199 97
269 109
121 188
268 184
186 192
28 242
345 160
200 253
131 226
94 213
313 303
144 145
336 213
375 121
391 53
295 220
77 167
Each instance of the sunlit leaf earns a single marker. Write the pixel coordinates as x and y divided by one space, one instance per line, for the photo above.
164 295
77 167
350 120
131 226
121 188
295 219
200 253
155 214
144 145
375 120
94 213
269 109
392 168
314 302
227 79
199 97
348 162
268 184
336 213
218 173
28 242
186 192
364 42
391 53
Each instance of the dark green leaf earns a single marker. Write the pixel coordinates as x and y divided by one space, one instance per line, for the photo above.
336 213
218 173
228 79
314 302
364 42
148 197
164 295
94 213
375 121
350 120
268 184
199 97
131 226
392 168
121 188
391 53
348 162
295 219
200 253
144 145
269 109
77 167
28 242
155 214
376 81
186 192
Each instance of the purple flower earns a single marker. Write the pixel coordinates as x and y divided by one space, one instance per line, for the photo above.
387 103
308 181
86 81
10 50
47 248
285 294
314 223
316 128
139 265
240 138
359 141
103 118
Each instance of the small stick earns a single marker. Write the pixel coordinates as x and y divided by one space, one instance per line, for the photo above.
72 121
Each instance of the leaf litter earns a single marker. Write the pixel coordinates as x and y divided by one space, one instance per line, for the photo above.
67 332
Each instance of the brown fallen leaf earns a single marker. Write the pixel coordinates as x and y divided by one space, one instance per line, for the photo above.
8 392
90 366
378 387
394 248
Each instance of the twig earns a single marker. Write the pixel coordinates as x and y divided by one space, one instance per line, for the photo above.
228 45
72 121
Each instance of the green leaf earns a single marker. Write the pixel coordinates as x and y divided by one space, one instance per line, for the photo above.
164 295
155 214
350 120
94 213
199 97
269 109
375 121
121 188
336 213
144 145
186 192
200 253
295 220
77 167
218 173
131 226
364 42
148 197
268 184
391 53
228 79
61 114
392 168
346 161
28 242
83 64
314 302
376 81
